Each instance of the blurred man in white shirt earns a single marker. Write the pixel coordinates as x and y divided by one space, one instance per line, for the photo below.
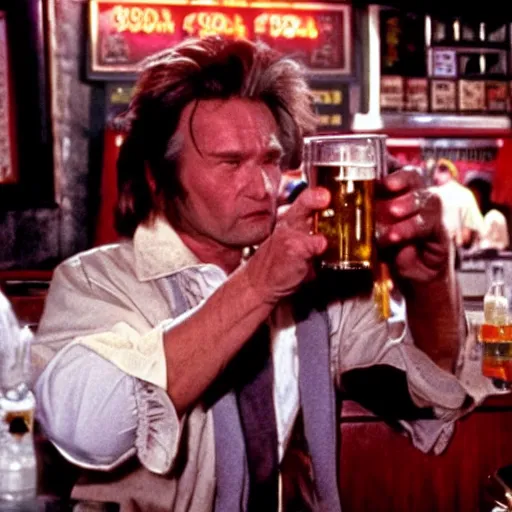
461 214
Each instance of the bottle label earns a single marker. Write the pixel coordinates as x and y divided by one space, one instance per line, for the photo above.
18 471
17 485
491 333
17 414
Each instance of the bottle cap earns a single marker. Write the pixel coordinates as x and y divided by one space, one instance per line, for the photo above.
498 271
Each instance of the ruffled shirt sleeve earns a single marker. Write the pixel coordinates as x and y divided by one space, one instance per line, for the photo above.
114 417
360 340
102 393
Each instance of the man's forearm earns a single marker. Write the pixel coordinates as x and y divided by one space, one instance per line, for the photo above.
434 312
198 348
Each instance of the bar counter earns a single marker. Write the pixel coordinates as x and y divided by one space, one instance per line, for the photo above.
380 470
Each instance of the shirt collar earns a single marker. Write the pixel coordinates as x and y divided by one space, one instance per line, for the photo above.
159 251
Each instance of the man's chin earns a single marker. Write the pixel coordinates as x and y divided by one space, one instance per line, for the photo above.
252 239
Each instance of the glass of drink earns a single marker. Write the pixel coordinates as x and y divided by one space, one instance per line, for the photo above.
348 166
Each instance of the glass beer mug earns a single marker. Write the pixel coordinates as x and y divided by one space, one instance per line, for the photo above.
348 166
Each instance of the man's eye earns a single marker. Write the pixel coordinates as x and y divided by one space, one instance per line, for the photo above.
232 162
273 160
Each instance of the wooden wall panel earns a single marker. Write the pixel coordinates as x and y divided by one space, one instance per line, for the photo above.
380 470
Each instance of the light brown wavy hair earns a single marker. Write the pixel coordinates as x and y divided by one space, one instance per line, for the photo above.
200 69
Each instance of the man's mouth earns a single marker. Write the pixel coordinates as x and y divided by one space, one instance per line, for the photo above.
257 214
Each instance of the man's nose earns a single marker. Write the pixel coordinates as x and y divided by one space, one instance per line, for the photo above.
261 184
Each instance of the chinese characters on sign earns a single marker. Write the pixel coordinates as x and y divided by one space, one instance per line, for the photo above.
124 33
290 26
7 171
142 19
204 24
160 20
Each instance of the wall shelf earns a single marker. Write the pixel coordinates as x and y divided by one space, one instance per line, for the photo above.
432 122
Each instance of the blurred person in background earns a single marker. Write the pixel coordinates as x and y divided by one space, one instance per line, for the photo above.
461 214
495 233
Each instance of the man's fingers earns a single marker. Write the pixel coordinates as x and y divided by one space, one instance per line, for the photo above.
298 215
306 247
410 217
407 205
401 182
417 227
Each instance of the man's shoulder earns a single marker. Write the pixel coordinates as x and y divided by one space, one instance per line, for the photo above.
103 253
100 263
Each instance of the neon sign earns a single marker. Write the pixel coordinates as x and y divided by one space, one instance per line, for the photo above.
214 23
125 32
290 26
143 19
206 23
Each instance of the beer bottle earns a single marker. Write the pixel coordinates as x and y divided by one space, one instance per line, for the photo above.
495 300
496 332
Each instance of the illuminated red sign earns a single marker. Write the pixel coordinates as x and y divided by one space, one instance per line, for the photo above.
290 26
205 23
123 33
142 19
214 23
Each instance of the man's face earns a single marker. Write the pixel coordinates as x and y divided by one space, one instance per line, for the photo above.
442 175
229 171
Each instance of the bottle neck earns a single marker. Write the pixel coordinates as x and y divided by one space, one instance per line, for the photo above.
498 288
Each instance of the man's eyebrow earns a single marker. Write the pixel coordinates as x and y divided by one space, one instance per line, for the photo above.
226 153
273 151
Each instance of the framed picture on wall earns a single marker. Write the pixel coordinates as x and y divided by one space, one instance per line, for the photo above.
8 164
26 145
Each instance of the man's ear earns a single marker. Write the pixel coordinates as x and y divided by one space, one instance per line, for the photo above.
156 197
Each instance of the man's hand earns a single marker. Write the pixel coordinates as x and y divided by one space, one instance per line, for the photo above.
285 259
414 241
409 228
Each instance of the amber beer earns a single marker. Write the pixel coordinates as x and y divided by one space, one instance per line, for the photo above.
346 165
347 222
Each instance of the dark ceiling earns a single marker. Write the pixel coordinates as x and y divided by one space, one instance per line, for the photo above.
491 10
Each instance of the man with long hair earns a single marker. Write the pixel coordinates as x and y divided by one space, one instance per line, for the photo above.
180 369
